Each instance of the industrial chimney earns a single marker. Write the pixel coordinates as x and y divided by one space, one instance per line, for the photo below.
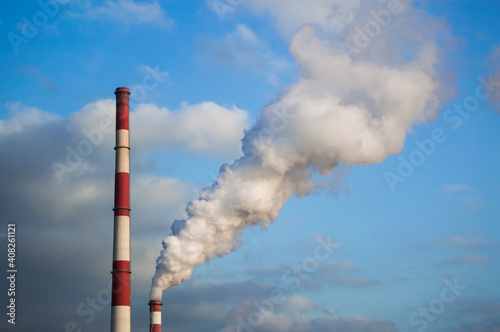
155 315
120 301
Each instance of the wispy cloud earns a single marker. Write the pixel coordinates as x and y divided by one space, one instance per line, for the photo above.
353 323
354 281
471 260
468 243
468 203
493 77
451 188
471 203
329 273
495 55
485 313
333 15
242 48
293 313
34 72
476 327
128 12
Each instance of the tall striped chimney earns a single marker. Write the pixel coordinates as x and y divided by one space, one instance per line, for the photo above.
120 301
155 316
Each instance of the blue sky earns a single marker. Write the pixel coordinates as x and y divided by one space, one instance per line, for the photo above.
406 223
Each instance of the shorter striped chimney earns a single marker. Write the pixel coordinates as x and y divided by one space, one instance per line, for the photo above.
155 315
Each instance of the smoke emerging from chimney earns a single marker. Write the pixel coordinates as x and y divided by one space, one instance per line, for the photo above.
338 111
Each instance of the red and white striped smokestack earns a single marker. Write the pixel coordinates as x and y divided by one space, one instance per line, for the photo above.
155 316
120 301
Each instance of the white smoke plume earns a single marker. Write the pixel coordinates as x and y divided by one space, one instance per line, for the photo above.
354 112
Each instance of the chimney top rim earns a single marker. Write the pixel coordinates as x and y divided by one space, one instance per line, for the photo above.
122 89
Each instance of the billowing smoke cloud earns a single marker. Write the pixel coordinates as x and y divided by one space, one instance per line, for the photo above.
354 112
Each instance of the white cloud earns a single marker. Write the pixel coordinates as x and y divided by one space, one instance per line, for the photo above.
95 116
41 154
72 220
23 117
153 192
128 12
299 303
200 127
203 127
